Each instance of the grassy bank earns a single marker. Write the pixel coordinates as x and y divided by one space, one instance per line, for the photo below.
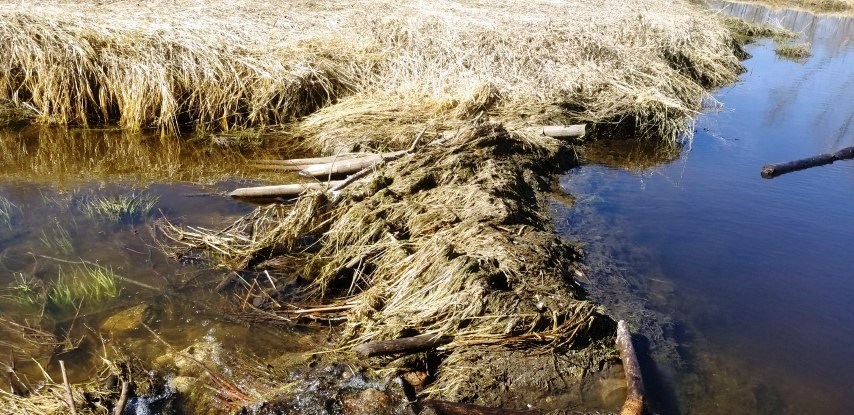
234 64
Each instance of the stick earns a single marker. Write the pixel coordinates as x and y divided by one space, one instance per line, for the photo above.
123 399
284 190
405 345
68 396
634 403
564 131
454 408
770 171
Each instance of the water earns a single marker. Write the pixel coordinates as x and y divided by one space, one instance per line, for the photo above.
48 177
744 284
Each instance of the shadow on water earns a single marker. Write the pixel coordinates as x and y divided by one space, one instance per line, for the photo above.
738 286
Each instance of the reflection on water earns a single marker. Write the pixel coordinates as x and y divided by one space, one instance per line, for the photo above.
76 281
60 155
743 283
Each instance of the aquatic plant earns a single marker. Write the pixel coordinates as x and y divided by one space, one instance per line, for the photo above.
25 290
83 283
120 208
7 211
57 239
793 51
221 65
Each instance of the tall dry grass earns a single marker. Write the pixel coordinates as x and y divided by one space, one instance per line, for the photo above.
382 63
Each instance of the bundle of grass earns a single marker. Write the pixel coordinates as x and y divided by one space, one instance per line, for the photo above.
448 241
793 51
91 284
128 207
641 64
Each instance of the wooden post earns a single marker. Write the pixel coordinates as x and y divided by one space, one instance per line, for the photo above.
407 345
634 404
770 171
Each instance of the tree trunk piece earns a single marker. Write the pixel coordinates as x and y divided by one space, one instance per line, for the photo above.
634 403
284 190
405 345
565 131
770 171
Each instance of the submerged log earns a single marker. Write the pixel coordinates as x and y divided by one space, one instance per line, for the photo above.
565 131
770 171
284 190
454 408
634 382
406 345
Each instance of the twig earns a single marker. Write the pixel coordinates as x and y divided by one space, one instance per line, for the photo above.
123 399
68 396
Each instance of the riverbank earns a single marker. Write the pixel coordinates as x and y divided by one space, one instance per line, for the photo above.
452 239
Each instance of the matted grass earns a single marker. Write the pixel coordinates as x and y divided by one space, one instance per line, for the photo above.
845 7
240 63
794 51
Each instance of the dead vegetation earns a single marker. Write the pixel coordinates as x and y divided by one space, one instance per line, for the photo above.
845 7
235 64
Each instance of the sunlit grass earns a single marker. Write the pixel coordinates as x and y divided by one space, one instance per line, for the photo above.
86 283
122 208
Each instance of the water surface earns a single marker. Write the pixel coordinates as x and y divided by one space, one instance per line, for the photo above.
744 284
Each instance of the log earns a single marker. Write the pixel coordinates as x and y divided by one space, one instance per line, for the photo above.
284 190
634 403
770 171
348 166
565 131
405 345
454 408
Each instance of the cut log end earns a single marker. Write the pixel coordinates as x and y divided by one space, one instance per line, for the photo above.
635 395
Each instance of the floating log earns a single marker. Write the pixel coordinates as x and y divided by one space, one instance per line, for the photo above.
634 403
565 131
770 171
406 345
283 190
454 408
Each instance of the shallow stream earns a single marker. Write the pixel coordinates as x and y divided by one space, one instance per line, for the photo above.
740 285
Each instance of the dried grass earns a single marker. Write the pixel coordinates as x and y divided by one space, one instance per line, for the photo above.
239 63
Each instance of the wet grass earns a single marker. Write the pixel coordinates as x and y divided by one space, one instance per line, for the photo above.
57 239
7 212
793 51
84 283
129 207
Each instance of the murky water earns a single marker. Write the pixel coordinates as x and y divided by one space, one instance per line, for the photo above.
52 242
743 284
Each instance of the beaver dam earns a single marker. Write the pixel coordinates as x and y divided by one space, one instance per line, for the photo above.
288 307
